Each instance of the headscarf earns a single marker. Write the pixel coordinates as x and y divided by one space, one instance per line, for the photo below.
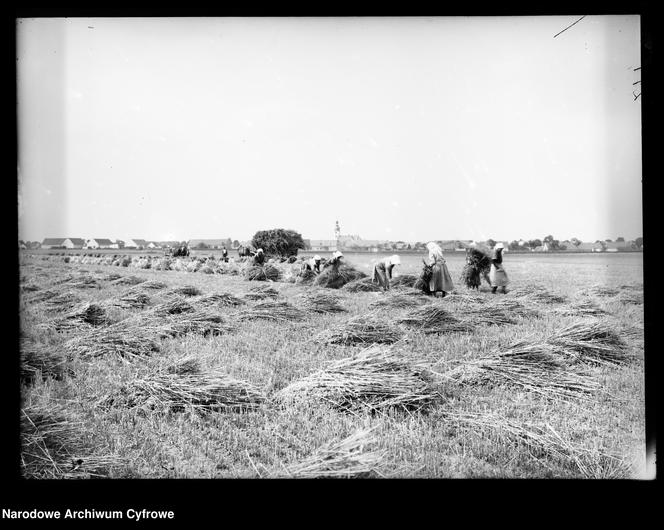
337 254
394 260
316 257
499 246
434 250
259 251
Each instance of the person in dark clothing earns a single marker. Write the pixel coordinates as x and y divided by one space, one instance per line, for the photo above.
259 257
224 254
497 274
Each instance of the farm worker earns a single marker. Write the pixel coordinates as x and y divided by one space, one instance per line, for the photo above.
382 271
441 282
224 254
259 257
497 274
335 260
312 264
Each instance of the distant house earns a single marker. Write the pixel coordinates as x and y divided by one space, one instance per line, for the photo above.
100 243
65 242
136 243
153 244
168 244
211 243
371 245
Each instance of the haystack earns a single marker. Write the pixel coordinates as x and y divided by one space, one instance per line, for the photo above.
361 330
375 378
262 273
348 458
434 318
335 277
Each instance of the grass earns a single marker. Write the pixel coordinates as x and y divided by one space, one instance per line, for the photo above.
494 429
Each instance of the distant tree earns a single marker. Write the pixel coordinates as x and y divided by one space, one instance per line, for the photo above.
608 241
490 243
575 241
202 245
409 247
278 241
562 247
514 245
638 242
534 243
236 243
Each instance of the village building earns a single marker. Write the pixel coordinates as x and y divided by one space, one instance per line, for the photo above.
136 243
324 245
100 243
65 242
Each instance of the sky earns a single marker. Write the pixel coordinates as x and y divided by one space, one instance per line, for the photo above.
400 128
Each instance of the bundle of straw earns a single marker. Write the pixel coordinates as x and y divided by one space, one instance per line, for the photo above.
89 312
360 330
336 276
544 443
220 299
487 314
321 302
581 308
84 282
262 273
305 277
41 296
53 446
599 290
362 285
153 284
128 280
272 310
433 318
168 391
538 295
403 280
514 307
398 301
422 283
347 458
375 378
186 290
536 367
173 307
62 302
261 292
592 342
132 300
634 298
114 340
113 276
29 287
478 264
200 322
40 359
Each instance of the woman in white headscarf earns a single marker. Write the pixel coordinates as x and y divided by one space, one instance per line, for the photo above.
441 282
382 271
497 275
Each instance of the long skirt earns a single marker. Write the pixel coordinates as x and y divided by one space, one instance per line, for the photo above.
498 276
380 277
440 279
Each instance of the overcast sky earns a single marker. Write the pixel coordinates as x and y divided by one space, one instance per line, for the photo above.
400 128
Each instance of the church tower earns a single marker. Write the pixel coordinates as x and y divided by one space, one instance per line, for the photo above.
337 231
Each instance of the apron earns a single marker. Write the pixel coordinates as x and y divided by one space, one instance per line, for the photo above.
440 277
498 276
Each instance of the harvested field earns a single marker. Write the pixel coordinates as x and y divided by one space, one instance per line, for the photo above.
156 392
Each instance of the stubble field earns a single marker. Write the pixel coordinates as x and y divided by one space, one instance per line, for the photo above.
179 374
